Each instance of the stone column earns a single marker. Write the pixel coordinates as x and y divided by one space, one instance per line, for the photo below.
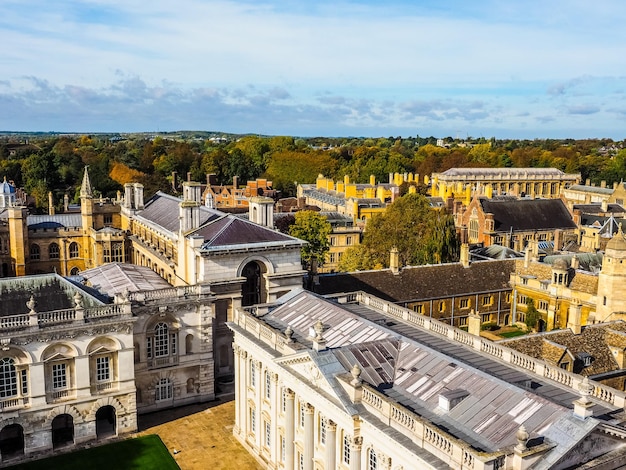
355 453
238 379
308 437
243 387
331 445
289 429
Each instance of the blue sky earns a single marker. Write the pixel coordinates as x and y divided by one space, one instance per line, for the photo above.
514 69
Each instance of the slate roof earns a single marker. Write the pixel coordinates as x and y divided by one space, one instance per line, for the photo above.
591 189
163 210
410 372
50 291
54 221
216 227
597 208
528 214
593 339
114 278
504 172
422 282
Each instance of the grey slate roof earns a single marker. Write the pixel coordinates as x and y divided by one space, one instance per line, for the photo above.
528 214
54 221
114 278
163 210
50 291
422 282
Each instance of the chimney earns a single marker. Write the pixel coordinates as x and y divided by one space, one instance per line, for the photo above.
174 180
235 182
465 255
558 234
50 203
189 176
587 182
473 323
66 203
603 184
394 261
605 205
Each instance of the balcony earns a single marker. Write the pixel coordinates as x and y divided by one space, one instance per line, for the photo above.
163 361
103 387
15 403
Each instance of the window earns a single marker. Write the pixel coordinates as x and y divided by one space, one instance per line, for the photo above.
442 306
268 385
283 401
485 318
462 321
542 305
348 240
507 298
346 449
473 230
333 241
268 434
8 378
323 422
332 258
252 373
486 300
464 303
24 376
117 250
300 461
301 420
108 219
35 253
252 420
521 299
418 309
283 448
372 460
73 250
53 251
161 343
103 369
164 390
59 376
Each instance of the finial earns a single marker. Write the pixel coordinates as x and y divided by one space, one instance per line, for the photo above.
78 300
356 375
31 304
289 334
319 329
522 438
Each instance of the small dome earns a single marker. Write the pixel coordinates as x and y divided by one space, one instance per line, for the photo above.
617 243
561 264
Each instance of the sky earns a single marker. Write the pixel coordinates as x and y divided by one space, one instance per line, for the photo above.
490 68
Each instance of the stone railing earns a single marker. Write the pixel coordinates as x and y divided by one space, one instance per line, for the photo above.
164 361
169 293
13 403
246 319
61 317
503 353
445 446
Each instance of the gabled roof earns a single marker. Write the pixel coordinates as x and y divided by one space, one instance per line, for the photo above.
164 210
422 282
114 278
528 214
50 292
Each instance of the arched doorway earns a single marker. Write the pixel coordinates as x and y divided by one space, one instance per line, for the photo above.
62 431
252 286
11 441
507 319
105 422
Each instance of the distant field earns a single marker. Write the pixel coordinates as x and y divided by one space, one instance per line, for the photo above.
511 334
147 452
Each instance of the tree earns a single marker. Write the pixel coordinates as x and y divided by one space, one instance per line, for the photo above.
420 233
532 314
314 229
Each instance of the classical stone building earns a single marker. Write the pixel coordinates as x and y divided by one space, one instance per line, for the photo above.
66 366
465 183
355 382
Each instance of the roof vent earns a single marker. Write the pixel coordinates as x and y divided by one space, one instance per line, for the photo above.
450 398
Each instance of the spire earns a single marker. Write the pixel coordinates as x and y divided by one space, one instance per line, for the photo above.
85 188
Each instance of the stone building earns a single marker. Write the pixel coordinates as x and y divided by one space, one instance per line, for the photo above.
465 183
234 196
355 382
66 366
447 292
514 222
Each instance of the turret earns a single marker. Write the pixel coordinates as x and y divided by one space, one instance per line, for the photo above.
611 296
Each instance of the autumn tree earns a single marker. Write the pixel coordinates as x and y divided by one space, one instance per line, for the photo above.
315 229
420 233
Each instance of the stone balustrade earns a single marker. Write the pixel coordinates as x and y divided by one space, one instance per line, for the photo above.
537 366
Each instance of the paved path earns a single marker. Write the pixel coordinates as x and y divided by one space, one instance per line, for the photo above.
202 434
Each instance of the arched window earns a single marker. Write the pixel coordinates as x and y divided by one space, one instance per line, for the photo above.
73 250
161 345
372 460
35 252
164 390
8 378
74 271
53 251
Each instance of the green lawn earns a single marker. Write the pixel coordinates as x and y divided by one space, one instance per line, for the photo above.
511 334
142 453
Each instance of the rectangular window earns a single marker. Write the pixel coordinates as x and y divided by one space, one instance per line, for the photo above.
102 369
149 348
268 385
301 420
59 376
173 342
332 258
322 430
485 318
283 401
300 461
348 240
418 309
333 241
283 448
252 374
486 300
252 421
268 434
462 321
464 303
24 375
108 219
542 305
346 449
